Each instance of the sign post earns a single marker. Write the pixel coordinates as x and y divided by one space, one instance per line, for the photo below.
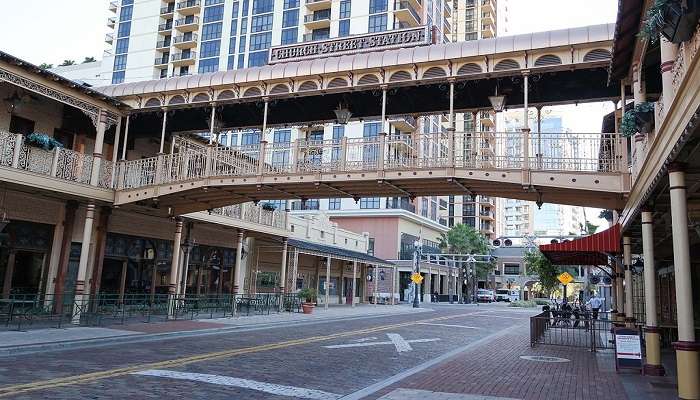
565 278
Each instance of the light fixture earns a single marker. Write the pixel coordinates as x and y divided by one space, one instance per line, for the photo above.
497 102
13 102
342 114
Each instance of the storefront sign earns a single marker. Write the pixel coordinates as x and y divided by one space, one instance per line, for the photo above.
349 45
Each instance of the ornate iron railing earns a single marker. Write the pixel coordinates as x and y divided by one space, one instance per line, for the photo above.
253 213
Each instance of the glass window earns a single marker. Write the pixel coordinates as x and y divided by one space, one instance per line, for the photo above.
282 136
320 34
377 23
235 10
338 133
241 60
290 18
231 62
125 13
260 41
369 202
232 46
371 129
210 49
291 4
345 9
118 77
124 29
280 158
323 14
211 31
127 2
334 204
120 62
344 27
209 65
250 138
377 6
234 27
122 46
213 2
257 59
241 44
290 35
212 14
263 6
261 23
244 25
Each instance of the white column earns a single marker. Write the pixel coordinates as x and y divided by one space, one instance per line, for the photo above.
283 267
328 282
162 131
115 150
681 255
126 137
264 125
212 123
237 282
384 127
174 267
649 270
669 52
526 123
451 129
354 277
97 152
627 256
80 298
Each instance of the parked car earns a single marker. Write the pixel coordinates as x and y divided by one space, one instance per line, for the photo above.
484 296
503 295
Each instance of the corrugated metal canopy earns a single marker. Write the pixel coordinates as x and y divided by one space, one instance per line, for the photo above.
336 252
589 250
363 61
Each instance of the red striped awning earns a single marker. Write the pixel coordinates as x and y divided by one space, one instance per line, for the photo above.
589 250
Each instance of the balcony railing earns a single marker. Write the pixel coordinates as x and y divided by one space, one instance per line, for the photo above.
187 21
186 39
396 204
59 163
183 56
188 4
405 5
249 212
315 17
163 44
161 61
165 27
168 10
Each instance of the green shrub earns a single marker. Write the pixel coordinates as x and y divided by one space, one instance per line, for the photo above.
542 302
523 304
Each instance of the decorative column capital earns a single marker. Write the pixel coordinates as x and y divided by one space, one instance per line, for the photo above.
676 167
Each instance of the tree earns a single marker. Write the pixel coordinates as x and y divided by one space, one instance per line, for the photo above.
606 215
45 66
538 264
66 63
591 228
88 60
463 239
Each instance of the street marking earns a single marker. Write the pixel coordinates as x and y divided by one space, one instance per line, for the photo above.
400 343
414 394
367 339
449 325
13 390
280 390
394 338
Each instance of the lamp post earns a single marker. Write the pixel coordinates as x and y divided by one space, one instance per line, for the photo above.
416 269
472 272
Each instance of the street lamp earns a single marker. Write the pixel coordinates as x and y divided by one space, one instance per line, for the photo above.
342 114
416 269
497 102
472 272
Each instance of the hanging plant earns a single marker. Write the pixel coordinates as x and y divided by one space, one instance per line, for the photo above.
673 19
268 206
42 141
654 21
637 119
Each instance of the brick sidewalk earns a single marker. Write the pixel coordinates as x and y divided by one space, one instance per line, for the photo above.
496 369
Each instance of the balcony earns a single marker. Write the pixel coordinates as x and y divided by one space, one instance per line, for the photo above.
109 38
113 6
180 59
318 20
447 27
488 18
163 45
404 123
189 7
161 61
168 10
487 6
309 37
447 10
188 24
404 12
111 22
252 213
487 31
166 27
316 5
186 41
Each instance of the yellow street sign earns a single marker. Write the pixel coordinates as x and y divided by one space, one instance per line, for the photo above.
565 278
416 278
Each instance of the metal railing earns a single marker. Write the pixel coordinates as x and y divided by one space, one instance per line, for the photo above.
253 213
185 38
569 152
183 56
188 4
187 21
572 329
166 26
35 311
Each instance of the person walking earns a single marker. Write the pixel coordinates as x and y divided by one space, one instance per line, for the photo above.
594 303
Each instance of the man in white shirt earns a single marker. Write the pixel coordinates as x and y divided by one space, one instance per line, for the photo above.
594 303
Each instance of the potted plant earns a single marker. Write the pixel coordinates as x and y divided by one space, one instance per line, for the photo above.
638 119
676 20
268 206
42 141
307 296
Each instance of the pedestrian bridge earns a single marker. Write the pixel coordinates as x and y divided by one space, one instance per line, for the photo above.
578 169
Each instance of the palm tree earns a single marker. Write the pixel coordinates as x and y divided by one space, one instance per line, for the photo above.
88 60
67 63
46 66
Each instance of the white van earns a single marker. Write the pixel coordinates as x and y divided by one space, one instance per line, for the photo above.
507 295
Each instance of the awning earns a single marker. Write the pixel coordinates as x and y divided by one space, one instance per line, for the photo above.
589 250
322 250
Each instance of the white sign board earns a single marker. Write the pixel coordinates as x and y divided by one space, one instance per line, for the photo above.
628 346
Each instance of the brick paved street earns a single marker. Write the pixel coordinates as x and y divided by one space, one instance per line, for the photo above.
452 349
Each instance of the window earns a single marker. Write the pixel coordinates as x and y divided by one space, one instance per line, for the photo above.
209 65
210 49
345 9
320 15
334 204
344 27
127 2
377 23
231 62
235 10
319 34
369 202
291 4
282 136
289 36
125 13
257 59
244 26
120 62
212 14
124 29
260 41
370 246
232 46
241 44
246 6
290 18
377 6
261 23
338 133
213 2
263 6
118 77
511 269
241 61
122 46
234 27
250 138
211 31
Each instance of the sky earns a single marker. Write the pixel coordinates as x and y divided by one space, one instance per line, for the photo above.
50 31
